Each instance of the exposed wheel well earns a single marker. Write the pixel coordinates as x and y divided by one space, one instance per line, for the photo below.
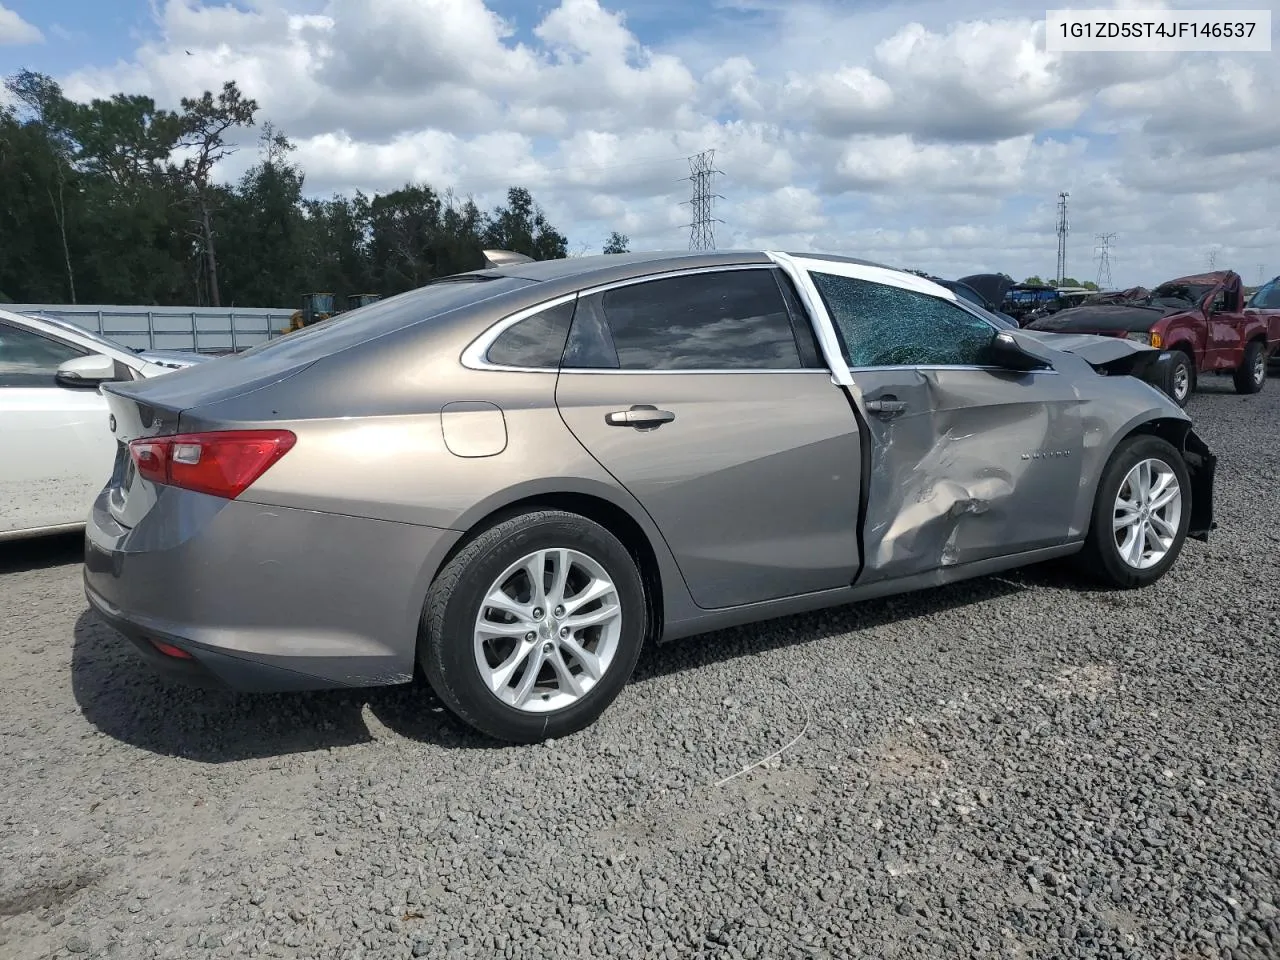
1166 428
613 518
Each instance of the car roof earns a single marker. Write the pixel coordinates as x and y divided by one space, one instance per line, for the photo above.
623 265
1201 279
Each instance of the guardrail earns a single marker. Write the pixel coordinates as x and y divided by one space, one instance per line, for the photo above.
202 329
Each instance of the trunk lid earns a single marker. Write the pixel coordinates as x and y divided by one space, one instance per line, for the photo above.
153 407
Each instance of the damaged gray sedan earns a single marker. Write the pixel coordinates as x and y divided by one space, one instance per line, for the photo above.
511 480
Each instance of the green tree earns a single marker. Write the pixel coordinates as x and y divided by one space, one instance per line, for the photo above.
47 169
119 201
204 125
1034 281
617 243
522 227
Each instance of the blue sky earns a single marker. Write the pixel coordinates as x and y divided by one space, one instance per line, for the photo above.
77 33
933 134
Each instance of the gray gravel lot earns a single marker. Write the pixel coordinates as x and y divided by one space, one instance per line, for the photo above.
1019 766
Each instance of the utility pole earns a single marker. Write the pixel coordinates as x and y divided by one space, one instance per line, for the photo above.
1104 259
702 233
1063 227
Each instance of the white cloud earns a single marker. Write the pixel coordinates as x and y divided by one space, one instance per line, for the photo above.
935 134
14 31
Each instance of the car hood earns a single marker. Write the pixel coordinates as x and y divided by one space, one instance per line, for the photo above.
1094 350
1104 318
990 286
174 358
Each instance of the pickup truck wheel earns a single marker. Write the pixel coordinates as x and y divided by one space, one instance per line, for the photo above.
1141 511
1182 378
1252 372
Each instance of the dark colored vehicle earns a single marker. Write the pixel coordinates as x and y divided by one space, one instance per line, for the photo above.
513 479
1200 320
1022 300
1265 305
985 290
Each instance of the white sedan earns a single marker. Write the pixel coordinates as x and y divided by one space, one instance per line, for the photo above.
56 448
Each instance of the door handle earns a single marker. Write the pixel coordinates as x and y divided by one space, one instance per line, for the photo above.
888 406
642 416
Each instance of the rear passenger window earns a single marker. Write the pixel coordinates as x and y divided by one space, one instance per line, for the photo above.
536 341
728 320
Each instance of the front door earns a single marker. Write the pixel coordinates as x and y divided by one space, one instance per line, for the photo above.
697 393
56 452
1226 326
968 461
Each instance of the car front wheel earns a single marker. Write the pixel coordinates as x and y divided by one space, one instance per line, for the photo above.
533 629
1140 516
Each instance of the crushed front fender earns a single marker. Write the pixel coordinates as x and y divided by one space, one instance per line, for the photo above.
1201 466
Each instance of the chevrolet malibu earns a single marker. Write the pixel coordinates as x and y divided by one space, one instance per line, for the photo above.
513 479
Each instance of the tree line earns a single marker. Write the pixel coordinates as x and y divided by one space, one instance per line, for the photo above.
115 201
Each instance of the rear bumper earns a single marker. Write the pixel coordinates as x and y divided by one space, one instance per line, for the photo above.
263 598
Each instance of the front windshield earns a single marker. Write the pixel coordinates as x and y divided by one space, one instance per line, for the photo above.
1174 294
81 331
1262 296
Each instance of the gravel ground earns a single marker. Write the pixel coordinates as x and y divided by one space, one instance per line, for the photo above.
1019 766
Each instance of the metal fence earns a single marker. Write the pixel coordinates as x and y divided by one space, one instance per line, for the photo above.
203 329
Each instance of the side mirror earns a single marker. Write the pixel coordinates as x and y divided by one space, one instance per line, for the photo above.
87 371
1005 351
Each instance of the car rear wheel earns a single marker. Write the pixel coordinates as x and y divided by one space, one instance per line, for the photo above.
533 629
1140 515
1251 375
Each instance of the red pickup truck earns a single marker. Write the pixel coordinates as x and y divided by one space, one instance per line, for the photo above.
1201 320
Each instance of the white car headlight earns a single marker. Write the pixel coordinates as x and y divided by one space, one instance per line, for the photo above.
1140 338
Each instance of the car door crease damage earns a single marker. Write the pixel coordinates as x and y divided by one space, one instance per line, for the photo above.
514 488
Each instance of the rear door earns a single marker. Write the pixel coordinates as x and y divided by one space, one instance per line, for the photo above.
968 461
705 396
55 448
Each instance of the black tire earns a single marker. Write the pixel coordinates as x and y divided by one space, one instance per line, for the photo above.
1181 378
446 645
1101 558
1251 375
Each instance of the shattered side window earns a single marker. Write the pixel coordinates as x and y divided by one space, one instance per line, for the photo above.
885 326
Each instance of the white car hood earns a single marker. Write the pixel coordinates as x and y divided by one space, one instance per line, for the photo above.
159 361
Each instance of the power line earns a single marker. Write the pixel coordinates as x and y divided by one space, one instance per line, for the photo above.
1104 259
702 232
1063 228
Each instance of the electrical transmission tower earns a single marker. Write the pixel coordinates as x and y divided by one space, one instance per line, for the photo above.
1104 260
702 232
1212 258
1063 227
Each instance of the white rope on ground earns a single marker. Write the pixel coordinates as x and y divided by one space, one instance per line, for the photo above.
777 753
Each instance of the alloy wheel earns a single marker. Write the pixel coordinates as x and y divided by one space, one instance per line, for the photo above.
1181 382
1147 514
547 631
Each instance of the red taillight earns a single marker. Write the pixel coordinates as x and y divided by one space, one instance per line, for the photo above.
222 464
169 650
